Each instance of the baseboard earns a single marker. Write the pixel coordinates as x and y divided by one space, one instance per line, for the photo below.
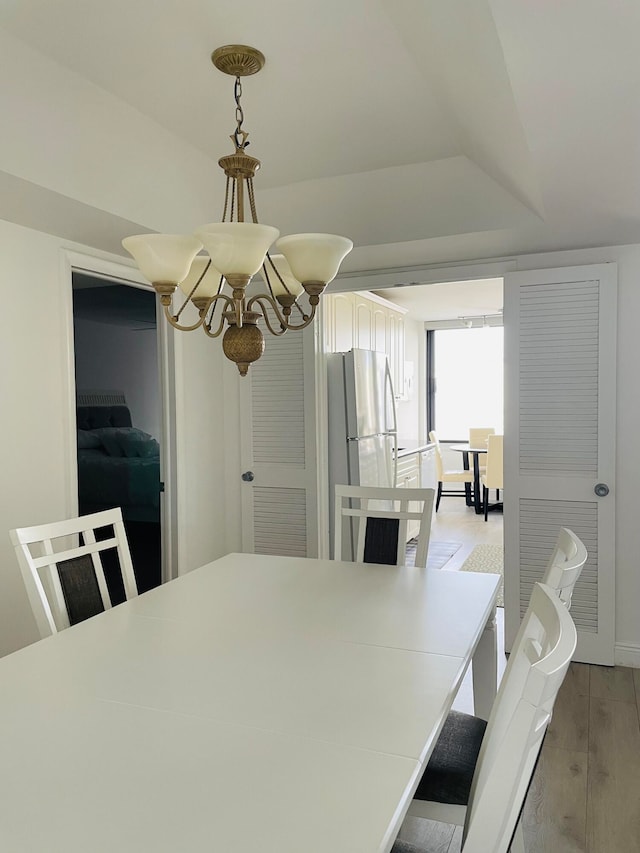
627 655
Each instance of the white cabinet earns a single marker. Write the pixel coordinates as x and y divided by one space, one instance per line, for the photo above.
367 321
428 473
341 322
408 477
417 471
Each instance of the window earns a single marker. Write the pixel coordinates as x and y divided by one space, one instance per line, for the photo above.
466 369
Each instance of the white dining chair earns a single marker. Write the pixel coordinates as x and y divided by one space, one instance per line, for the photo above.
493 476
478 438
565 564
64 577
479 773
390 510
448 475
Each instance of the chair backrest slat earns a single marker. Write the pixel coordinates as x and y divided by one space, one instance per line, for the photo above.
565 565
494 474
398 505
42 572
439 463
537 666
478 436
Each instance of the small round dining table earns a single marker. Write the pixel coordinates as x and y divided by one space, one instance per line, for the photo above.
475 452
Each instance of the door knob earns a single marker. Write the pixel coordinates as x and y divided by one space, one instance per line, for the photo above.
601 490
248 476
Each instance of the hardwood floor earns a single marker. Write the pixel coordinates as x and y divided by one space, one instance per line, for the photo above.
585 795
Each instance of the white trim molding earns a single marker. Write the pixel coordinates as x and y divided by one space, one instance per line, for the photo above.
626 654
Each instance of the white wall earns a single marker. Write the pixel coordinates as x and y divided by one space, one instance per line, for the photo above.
411 422
74 139
38 427
119 358
33 390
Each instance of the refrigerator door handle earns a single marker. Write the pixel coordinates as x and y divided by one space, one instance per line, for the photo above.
391 396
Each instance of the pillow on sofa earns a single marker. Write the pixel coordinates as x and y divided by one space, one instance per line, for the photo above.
117 440
88 440
145 448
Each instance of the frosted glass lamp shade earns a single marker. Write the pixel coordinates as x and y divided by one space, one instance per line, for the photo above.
208 287
314 257
237 248
163 258
281 265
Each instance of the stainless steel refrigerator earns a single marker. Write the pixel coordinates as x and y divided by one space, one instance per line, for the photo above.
362 421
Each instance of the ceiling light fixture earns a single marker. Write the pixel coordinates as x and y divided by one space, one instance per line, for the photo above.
237 251
468 322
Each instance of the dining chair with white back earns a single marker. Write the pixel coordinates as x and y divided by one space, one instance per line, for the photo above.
390 510
449 475
493 475
478 774
65 578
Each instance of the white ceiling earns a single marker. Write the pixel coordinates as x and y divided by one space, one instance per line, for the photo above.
473 300
429 131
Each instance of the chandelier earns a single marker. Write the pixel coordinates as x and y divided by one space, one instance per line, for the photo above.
237 250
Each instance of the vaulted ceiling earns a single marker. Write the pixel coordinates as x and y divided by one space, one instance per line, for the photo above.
427 130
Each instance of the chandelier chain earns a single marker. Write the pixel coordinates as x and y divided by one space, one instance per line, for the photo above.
240 137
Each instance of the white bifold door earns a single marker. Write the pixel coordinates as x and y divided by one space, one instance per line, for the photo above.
560 381
279 470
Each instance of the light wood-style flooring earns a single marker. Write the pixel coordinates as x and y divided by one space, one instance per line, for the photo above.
585 795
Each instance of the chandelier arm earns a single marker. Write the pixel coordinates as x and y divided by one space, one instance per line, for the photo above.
266 275
300 311
226 199
193 290
260 299
281 280
219 297
233 200
252 199
282 318
207 327
213 303
173 321
307 320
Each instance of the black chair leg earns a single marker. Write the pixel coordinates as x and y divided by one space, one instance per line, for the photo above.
485 500
439 495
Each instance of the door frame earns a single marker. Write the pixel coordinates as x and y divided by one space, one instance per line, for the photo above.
377 280
101 265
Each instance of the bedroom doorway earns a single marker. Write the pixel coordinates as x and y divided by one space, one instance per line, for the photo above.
119 412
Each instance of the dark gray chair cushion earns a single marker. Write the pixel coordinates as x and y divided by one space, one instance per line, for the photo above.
449 772
80 588
406 847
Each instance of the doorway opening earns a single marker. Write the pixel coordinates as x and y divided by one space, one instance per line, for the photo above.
119 412
443 342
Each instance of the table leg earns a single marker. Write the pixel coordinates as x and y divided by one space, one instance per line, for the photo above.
469 498
477 503
485 670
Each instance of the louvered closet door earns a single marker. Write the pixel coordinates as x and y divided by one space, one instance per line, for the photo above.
560 380
279 505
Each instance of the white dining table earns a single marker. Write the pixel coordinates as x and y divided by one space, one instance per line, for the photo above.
259 703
